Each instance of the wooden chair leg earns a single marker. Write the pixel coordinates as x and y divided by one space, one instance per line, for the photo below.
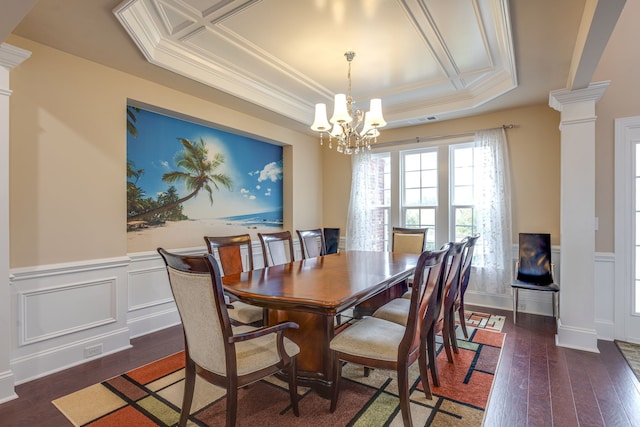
189 386
367 371
431 350
463 322
337 373
452 331
232 403
515 304
403 392
424 374
293 386
446 339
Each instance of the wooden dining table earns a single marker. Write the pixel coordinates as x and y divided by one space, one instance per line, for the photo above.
311 292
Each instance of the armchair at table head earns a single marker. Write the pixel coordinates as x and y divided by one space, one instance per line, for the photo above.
312 243
408 240
534 268
277 248
229 252
214 349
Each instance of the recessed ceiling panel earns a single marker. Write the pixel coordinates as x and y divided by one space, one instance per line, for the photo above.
285 55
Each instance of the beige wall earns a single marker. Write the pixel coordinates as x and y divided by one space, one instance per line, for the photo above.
534 151
620 64
68 157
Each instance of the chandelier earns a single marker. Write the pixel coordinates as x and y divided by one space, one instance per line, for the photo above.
345 121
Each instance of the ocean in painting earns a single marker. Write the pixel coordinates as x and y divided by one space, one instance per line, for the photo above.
263 219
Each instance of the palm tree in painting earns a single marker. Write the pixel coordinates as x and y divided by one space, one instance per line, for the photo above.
197 173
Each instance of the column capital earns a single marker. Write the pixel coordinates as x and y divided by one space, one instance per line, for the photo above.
12 56
558 99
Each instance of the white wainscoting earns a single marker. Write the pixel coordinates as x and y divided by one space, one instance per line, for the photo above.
66 314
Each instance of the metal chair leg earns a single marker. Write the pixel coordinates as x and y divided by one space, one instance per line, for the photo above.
515 304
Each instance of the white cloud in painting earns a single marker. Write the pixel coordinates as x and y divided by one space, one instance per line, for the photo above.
272 171
252 197
165 164
257 187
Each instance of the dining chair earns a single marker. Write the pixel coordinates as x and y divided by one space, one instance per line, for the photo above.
409 240
312 243
277 248
534 269
224 355
380 344
465 275
332 239
446 322
228 251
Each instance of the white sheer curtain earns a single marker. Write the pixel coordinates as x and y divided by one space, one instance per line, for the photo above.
360 213
493 209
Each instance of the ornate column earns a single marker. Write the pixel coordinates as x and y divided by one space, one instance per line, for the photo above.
576 325
10 57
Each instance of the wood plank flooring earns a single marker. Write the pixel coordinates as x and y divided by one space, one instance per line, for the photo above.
537 383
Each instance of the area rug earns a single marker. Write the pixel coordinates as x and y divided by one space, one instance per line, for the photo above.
152 394
631 353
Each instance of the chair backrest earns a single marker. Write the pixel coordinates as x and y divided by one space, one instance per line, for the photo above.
467 258
534 258
312 243
332 240
427 281
229 252
274 248
452 276
408 240
196 285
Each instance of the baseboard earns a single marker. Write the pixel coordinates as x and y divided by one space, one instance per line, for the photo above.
577 338
7 383
153 322
40 364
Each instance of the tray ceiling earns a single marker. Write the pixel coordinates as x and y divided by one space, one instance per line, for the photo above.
426 59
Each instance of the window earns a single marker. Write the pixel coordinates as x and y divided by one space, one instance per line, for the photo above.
462 191
381 163
427 179
419 171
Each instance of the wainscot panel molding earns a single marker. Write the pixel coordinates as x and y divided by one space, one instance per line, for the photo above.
541 303
66 314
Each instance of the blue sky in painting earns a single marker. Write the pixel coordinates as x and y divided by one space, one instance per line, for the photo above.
255 167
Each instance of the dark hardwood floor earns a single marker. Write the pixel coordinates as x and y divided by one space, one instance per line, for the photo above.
537 384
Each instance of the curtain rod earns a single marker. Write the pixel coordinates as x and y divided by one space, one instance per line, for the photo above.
419 139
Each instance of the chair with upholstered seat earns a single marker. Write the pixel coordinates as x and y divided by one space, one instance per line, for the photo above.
408 240
380 344
446 322
226 356
465 275
277 248
534 269
229 252
312 243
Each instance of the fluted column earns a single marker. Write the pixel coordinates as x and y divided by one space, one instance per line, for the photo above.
576 325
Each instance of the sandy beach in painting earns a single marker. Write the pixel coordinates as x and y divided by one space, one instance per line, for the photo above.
187 234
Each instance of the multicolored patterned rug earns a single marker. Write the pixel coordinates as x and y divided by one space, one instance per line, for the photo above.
631 353
152 394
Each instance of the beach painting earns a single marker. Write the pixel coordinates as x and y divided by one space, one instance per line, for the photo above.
186 180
